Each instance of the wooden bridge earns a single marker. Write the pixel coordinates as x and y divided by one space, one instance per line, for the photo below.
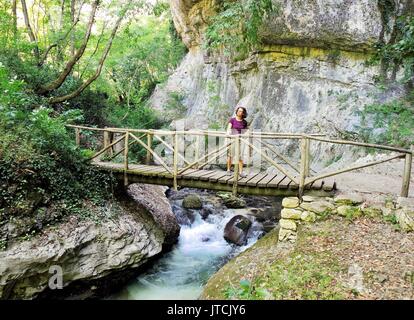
166 160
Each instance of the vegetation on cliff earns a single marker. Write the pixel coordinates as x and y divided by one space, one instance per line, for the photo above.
90 63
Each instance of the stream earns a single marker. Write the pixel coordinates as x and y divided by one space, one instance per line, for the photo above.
201 250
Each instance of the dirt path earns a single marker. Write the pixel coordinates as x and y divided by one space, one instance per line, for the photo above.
385 178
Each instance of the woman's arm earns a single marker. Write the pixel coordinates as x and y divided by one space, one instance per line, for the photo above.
229 126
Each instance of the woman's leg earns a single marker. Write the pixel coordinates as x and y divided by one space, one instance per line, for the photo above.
229 163
240 166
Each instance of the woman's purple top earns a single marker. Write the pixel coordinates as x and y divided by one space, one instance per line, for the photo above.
237 125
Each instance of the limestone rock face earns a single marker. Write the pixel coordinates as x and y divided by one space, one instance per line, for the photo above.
310 75
87 250
152 198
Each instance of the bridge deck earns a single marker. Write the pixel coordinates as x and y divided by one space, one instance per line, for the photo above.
260 183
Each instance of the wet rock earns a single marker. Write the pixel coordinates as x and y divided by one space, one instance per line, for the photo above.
234 202
207 210
192 201
236 230
181 215
269 226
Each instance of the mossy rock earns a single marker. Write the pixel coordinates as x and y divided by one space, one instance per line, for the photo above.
192 201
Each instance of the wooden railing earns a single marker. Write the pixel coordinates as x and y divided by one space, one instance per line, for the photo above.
301 175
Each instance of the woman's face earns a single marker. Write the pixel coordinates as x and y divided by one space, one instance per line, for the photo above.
240 112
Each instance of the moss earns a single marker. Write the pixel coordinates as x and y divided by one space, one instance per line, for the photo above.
283 52
280 272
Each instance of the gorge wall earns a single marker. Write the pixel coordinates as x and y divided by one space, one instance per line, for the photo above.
310 74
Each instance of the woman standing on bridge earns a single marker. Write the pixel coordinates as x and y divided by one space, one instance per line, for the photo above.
237 125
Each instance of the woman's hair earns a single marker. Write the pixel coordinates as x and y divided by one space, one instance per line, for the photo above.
244 111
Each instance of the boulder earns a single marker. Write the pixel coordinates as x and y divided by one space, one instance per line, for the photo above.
207 210
290 202
234 202
236 230
318 207
405 219
287 235
287 224
291 214
348 199
308 216
85 251
152 199
308 198
192 201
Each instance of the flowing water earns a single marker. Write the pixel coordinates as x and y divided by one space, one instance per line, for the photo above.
181 273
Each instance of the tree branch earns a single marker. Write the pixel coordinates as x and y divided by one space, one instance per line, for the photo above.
100 65
69 66
42 61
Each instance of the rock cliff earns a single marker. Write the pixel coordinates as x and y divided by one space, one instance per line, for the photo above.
310 74
87 250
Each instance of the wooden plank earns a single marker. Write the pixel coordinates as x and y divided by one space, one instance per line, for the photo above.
207 176
317 185
275 181
197 174
217 176
253 182
187 172
266 180
225 178
243 181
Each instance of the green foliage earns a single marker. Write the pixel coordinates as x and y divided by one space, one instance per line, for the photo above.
145 55
236 27
399 52
175 109
221 111
245 292
388 123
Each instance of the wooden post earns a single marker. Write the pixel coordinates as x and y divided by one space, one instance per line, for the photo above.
307 162
197 149
77 136
304 165
107 142
407 175
149 144
126 158
236 160
175 161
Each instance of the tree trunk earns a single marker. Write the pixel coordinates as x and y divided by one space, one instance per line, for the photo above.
14 13
72 18
75 58
29 29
